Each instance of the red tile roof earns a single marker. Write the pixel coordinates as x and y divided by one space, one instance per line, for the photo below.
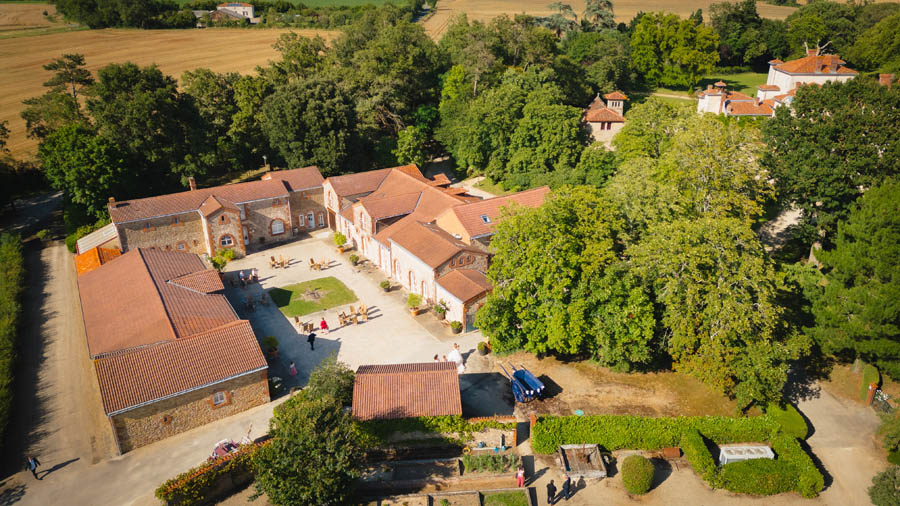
465 284
93 258
469 215
354 184
820 64
148 374
604 114
406 390
748 109
205 281
394 205
298 179
768 87
129 302
213 204
616 95
184 202
429 243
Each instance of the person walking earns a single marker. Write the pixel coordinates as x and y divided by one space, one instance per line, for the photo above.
311 339
323 325
520 477
32 465
293 369
566 486
551 492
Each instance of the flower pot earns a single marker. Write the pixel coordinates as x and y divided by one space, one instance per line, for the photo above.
386 289
273 353
340 249
440 316
456 330
482 350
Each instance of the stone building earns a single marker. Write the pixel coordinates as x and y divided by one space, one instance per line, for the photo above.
169 350
384 392
243 217
604 120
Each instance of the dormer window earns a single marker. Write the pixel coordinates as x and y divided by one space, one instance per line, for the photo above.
485 219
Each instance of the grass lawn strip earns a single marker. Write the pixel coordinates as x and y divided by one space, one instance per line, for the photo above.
311 296
744 82
515 498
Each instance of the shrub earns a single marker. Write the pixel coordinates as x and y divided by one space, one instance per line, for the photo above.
42 234
72 239
440 307
483 347
339 239
12 285
332 378
456 326
885 489
354 259
870 375
414 300
637 474
194 485
385 285
380 430
489 463
697 453
614 432
225 254
270 342
789 452
790 420
758 477
218 263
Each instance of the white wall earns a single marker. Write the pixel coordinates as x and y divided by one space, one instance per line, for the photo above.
421 271
454 305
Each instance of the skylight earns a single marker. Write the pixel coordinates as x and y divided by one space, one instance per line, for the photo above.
485 218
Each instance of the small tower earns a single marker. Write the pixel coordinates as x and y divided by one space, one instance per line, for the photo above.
616 101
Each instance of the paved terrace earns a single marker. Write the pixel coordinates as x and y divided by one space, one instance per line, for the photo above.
392 334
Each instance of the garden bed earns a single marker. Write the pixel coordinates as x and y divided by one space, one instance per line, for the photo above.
311 296
507 498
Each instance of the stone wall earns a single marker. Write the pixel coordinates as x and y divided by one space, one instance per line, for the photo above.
185 234
303 203
464 260
258 218
222 223
147 424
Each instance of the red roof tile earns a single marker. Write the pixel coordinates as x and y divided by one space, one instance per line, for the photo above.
820 64
148 374
429 243
406 390
605 114
470 215
748 109
298 179
394 205
465 284
616 95
184 202
213 204
93 258
205 281
768 87
355 184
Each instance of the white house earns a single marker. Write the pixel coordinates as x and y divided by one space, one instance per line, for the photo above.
241 9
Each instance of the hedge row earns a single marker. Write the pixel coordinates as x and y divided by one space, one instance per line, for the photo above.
12 285
382 429
789 451
193 486
791 421
757 477
614 432
697 453
870 375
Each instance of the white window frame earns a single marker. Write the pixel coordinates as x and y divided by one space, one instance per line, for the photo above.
277 223
219 398
222 241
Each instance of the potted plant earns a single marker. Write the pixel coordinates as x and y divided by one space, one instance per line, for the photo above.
386 286
218 264
414 301
354 259
456 327
483 348
271 342
440 309
340 240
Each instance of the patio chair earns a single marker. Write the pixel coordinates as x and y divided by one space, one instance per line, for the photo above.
272 263
354 319
313 266
297 320
324 263
352 310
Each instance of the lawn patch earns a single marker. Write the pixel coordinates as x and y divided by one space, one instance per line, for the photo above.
311 296
513 498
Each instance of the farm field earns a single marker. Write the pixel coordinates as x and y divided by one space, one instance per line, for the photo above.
174 51
485 10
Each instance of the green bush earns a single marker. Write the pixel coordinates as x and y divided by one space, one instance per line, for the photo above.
12 285
637 474
697 454
339 239
414 300
72 239
489 463
885 489
193 486
614 432
870 375
758 477
271 342
789 451
226 254
379 430
456 326
790 420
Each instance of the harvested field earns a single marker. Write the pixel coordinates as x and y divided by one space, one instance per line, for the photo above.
484 10
20 17
174 51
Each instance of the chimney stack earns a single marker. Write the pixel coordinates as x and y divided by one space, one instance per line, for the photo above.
112 200
192 182
832 64
885 79
812 52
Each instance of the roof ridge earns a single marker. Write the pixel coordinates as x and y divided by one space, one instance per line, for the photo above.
162 300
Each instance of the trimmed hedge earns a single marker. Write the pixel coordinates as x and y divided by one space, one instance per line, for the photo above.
614 432
791 421
698 455
789 451
758 477
12 285
380 430
870 375
194 485
637 474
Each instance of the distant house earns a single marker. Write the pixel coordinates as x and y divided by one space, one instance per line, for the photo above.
781 85
236 9
383 392
169 351
604 120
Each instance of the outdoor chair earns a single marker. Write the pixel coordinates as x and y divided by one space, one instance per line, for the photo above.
352 311
272 263
354 319
313 266
323 264
297 320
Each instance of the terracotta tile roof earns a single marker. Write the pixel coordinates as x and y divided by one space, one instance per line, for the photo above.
820 64
440 179
395 205
97 238
213 204
148 374
298 179
605 114
748 109
616 95
354 184
429 243
776 61
406 390
768 87
129 303
205 281
465 284
93 258
184 202
470 215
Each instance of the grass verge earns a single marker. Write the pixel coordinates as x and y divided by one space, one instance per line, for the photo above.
513 498
311 296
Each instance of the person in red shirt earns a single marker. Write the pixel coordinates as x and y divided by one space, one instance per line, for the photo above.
323 325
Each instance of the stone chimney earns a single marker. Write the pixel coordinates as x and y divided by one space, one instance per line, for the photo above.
112 200
885 79
832 64
812 52
192 182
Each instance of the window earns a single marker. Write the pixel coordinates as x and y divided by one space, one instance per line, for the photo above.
219 398
301 222
147 227
181 245
168 247
485 218
175 222
223 219
166 419
277 227
226 241
244 211
321 219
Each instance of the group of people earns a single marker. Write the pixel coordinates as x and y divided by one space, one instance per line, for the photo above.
251 277
552 497
453 356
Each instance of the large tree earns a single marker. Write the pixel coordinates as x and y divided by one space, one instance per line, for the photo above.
59 106
312 122
878 48
857 304
214 96
742 34
650 127
671 51
835 141
560 288
818 23
718 289
606 56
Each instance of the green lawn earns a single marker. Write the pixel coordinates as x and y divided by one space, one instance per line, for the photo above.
311 296
745 82
505 499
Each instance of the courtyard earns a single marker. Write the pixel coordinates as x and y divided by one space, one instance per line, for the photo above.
389 335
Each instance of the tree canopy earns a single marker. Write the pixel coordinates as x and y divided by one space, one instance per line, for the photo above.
671 51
